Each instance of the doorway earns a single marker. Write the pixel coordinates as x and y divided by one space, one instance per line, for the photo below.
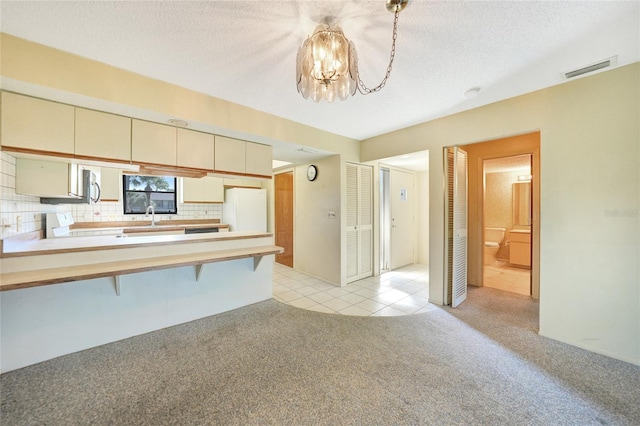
284 217
397 218
507 223
525 144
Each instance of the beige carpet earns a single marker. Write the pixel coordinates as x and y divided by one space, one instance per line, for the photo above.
270 363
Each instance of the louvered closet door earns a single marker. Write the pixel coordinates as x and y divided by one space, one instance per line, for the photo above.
365 176
359 226
459 255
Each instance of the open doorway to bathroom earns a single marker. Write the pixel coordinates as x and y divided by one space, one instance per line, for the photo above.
507 219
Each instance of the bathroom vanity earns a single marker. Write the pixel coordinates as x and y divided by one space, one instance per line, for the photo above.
520 248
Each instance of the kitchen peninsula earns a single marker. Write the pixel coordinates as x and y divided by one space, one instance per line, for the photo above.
64 295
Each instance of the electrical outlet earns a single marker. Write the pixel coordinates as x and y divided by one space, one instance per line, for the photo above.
18 223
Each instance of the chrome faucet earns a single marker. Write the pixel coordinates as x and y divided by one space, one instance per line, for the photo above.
153 215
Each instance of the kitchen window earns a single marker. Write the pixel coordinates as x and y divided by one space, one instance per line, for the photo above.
140 192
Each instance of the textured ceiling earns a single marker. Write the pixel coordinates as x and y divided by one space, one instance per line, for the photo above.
244 51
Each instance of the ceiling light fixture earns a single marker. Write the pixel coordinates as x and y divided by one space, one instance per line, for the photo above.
179 123
327 63
472 93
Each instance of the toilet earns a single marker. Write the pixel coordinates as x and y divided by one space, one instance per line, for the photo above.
492 239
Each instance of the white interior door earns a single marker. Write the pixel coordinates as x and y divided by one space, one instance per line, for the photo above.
402 211
359 227
459 226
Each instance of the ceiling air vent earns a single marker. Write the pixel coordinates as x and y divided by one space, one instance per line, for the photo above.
591 68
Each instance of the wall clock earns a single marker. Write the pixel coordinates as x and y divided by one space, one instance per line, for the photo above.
312 172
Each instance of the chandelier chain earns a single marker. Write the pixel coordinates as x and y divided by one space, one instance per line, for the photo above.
362 88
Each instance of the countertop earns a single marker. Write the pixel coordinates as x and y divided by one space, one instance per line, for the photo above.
35 247
521 231
129 227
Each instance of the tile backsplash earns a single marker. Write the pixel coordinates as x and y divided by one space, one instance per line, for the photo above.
110 211
20 214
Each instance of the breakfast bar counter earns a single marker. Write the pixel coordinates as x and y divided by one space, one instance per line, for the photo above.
31 247
67 294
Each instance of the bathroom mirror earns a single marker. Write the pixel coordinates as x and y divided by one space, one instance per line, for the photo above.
521 194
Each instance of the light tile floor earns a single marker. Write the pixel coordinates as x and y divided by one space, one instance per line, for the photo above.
504 277
404 291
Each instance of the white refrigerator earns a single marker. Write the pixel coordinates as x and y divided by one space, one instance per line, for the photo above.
245 209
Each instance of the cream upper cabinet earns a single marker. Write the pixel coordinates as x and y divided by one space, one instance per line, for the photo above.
36 124
192 190
46 178
258 159
203 190
153 143
102 135
230 155
213 189
110 184
195 149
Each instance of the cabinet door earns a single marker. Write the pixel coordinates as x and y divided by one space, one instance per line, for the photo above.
192 190
31 123
229 155
203 190
213 190
258 159
110 184
102 135
520 249
153 143
195 149
43 178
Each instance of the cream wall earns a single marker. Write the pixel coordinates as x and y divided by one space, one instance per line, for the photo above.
317 237
422 217
590 192
41 66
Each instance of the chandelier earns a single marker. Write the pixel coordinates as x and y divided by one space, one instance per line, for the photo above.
327 63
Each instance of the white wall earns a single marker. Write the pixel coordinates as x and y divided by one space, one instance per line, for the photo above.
41 323
590 199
